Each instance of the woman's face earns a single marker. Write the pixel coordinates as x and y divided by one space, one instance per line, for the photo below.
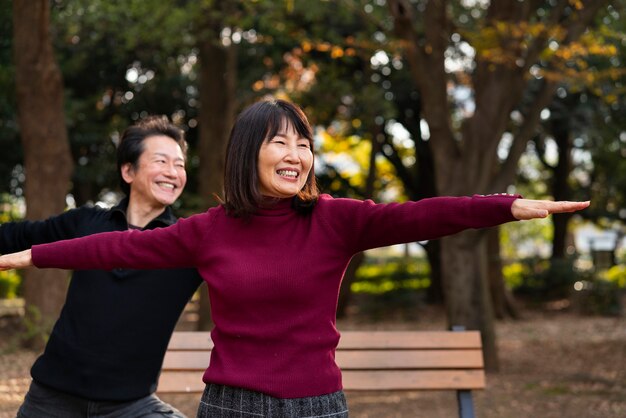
284 163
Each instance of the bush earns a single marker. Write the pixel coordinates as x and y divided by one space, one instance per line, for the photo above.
514 274
602 295
617 275
391 275
541 278
390 287
9 284
597 297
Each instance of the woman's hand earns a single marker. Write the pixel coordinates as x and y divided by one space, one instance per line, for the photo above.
524 209
16 260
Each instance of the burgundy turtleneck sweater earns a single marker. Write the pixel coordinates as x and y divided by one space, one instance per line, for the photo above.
274 279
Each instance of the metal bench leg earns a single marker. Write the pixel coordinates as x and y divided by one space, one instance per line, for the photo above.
466 404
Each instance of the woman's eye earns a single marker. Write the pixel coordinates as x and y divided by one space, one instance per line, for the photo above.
278 141
304 145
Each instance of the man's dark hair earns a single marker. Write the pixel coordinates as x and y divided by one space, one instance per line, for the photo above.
131 145
255 125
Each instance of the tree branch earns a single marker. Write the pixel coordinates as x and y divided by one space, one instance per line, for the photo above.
403 173
581 20
425 55
525 132
403 17
538 45
541 150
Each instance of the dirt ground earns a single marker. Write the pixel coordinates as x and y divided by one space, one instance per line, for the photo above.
553 365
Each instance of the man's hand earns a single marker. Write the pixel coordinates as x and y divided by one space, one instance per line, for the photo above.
524 209
16 260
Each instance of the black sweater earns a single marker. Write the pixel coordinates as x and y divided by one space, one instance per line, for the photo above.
110 338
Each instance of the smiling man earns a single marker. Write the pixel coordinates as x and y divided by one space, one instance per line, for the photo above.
104 355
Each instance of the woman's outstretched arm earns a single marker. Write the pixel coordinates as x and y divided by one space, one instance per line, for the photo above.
171 247
521 209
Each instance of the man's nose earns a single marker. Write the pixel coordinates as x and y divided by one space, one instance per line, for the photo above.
171 170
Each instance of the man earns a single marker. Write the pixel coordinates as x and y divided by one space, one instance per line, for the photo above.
105 352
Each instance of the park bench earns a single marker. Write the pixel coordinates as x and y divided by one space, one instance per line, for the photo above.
369 360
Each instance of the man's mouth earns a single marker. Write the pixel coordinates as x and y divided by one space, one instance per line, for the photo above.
166 185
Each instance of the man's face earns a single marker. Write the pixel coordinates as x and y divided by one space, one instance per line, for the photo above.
160 176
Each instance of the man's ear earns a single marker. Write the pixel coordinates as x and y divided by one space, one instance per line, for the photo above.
128 173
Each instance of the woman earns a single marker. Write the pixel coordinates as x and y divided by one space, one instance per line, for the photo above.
273 255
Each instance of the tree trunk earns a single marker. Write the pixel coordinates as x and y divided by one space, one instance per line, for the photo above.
560 186
218 80
503 302
466 160
47 158
434 294
345 294
468 301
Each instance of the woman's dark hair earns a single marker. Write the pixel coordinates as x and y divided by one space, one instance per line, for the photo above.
131 145
255 125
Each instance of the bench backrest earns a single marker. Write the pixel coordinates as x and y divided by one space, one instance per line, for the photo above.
369 360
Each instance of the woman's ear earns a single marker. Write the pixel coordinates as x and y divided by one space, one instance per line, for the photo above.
128 173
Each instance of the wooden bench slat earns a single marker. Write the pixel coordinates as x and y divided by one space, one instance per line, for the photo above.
181 382
186 360
413 379
190 340
410 339
402 359
356 359
191 381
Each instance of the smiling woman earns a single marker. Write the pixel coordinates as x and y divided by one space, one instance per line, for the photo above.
273 256
284 163
269 154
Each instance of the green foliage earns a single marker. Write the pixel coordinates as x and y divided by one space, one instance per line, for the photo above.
542 279
10 282
526 239
514 274
390 286
97 44
591 294
616 275
559 278
392 274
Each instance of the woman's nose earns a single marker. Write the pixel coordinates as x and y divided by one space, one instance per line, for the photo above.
292 154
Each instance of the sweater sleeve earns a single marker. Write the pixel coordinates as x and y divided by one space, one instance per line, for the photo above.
364 224
18 236
172 247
